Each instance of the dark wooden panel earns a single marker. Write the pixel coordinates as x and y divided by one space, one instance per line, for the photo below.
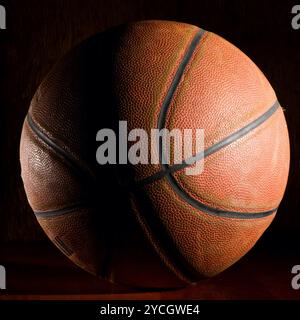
40 272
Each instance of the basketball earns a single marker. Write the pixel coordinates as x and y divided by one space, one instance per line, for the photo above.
155 75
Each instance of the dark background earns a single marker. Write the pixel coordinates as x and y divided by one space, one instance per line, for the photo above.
40 32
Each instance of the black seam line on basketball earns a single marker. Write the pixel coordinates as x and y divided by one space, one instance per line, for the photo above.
174 257
60 212
214 148
59 150
175 82
167 248
214 211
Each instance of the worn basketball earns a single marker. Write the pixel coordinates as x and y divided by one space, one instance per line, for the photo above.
109 219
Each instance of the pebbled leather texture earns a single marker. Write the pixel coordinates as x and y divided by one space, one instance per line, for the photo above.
126 74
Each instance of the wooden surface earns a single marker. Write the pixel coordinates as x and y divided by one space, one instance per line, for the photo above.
42 272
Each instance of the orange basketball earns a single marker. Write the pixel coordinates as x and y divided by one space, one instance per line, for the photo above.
156 74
